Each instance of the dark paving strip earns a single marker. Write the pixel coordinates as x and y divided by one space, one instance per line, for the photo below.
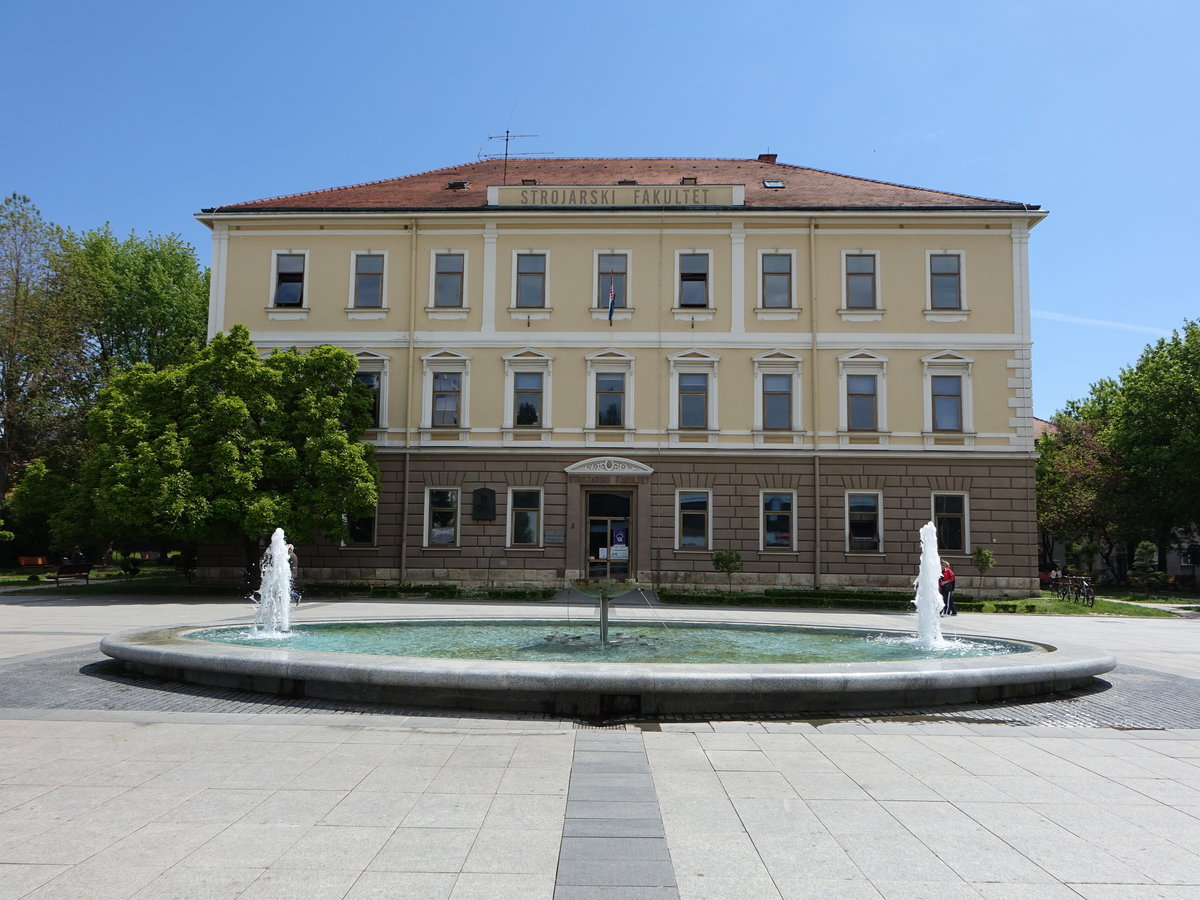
85 679
613 842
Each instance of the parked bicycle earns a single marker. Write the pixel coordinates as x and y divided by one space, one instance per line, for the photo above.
1076 588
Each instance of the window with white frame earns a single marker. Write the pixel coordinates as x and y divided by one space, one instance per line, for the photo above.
777 391
775 285
373 381
864 522
693 519
372 373
612 270
445 390
950 519
945 281
862 403
948 393
368 280
694 276
610 389
449 280
861 280
527 387
288 287
530 281
447 399
442 516
693 391
525 517
777 521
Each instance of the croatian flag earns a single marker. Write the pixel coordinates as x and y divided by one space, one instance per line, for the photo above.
612 299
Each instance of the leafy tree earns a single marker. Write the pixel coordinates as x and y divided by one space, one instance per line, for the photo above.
983 560
44 362
226 445
1155 429
147 297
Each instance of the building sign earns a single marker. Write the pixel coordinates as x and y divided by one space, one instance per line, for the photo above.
654 196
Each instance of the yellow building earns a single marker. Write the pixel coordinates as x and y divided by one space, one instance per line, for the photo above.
615 367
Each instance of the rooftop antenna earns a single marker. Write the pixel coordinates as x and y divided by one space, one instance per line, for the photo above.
508 137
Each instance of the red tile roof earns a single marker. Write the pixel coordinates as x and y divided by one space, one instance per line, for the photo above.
802 188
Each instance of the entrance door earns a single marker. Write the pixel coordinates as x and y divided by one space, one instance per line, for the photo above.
610 540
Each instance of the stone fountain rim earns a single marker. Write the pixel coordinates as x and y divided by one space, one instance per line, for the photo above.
168 651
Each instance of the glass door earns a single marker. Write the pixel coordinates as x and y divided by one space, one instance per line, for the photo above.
610 540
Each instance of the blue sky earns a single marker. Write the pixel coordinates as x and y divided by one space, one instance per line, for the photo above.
141 113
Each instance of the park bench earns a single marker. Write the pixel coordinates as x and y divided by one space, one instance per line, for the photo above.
72 570
32 562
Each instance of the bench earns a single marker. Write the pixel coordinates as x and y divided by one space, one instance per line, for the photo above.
72 570
32 562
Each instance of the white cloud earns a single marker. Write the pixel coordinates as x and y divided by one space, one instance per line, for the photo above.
1101 323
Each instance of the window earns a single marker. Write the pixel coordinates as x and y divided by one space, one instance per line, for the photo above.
777 515
777 402
368 280
525 517
360 531
693 279
863 532
447 399
531 280
442 517
289 279
374 383
945 281
610 399
861 403
611 271
445 392
693 401
776 280
527 389
527 399
860 281
691 521
946 399
950 518
448 271
947 378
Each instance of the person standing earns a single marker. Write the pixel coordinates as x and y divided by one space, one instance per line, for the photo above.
946 588
294 566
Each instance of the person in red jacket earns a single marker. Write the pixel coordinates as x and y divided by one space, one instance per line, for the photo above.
946 587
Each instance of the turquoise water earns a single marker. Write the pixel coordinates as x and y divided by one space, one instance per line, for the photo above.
559 641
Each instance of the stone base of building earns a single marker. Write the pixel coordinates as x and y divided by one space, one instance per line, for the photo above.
661 518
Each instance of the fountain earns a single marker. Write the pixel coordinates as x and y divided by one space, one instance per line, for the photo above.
273 617
929 598
618 676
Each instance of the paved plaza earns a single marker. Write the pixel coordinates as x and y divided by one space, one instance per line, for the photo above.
120 787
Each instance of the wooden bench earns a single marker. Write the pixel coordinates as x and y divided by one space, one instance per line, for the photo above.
72 570
32 562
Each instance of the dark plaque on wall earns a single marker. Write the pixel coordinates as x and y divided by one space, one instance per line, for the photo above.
483 505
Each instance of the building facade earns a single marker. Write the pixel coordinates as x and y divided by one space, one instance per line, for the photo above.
615 367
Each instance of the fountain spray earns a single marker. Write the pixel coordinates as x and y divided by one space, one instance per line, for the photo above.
273 618
929 599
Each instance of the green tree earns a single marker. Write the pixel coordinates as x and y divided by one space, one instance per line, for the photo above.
227 446
44 362
1155 429
147 296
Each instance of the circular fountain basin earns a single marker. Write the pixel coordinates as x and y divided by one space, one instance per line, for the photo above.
574 680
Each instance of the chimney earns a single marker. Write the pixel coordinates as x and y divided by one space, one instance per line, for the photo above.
768 157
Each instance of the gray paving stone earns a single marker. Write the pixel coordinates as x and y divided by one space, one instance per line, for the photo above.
617 809
612 892
624 873
637 828
613 848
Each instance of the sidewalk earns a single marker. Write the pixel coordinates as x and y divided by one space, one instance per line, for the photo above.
114 788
